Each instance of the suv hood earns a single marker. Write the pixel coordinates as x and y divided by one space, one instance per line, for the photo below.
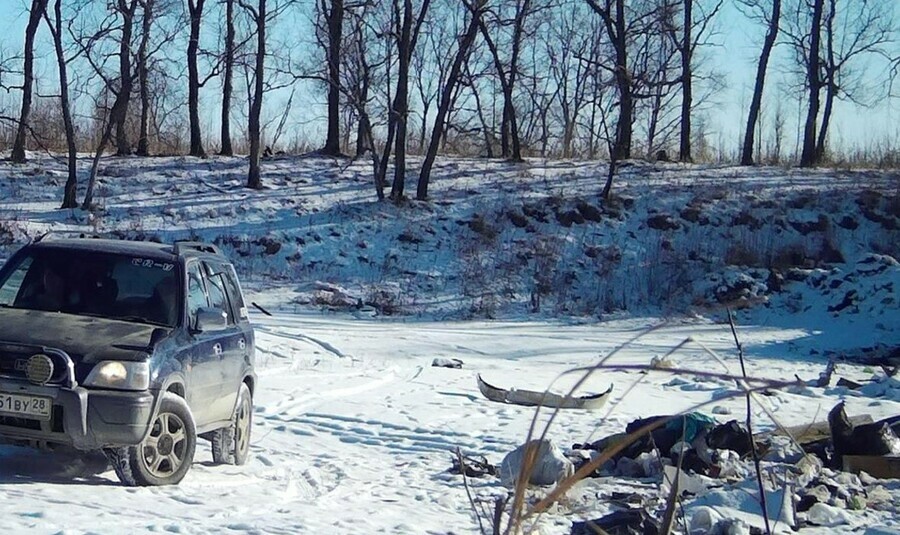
85 339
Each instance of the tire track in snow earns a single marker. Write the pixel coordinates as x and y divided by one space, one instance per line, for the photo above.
303 338
293 405
398 437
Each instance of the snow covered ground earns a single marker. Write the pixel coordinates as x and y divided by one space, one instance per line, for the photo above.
355 430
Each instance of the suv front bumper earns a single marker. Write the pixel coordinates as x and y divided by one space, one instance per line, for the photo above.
86 419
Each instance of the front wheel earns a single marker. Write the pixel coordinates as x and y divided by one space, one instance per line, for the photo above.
165 456
231 445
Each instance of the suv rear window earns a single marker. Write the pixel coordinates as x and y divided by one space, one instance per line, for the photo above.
89 283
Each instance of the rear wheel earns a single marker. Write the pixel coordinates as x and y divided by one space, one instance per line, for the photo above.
165 456
231 445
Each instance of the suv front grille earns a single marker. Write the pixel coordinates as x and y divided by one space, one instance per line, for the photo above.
21 423
55 425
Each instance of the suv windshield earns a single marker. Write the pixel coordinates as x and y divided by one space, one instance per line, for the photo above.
89 283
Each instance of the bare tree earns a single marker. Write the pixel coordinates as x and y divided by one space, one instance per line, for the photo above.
120 87
143 148
852 33
510 146
55 26
814 82
465 43
38 7
195 11
772 19
258 15
228 79
612 12
126 10
831 41
686 48
408 35
334 14
570 38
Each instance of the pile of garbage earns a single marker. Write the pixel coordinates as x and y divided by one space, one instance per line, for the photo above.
815 475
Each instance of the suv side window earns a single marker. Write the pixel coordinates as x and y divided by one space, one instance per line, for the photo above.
216 287
196 296
234 293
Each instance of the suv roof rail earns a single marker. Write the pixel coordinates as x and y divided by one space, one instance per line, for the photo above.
54 234
188 245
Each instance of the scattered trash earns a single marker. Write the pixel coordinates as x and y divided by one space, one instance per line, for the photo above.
548 467
473 466
715 468
868 439
827 516
690 483
731 526
730 436
875 466
703 520
447 363
627 522
531 398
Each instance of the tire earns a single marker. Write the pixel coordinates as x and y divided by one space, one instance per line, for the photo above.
165 456
231 445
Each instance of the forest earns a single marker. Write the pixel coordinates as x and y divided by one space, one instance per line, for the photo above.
510 79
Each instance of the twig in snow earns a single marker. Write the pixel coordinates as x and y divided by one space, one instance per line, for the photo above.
462 470
759 480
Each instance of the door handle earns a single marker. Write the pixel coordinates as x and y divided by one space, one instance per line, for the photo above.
242 344
217 349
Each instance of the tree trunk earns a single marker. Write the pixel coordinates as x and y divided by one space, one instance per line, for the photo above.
486 131
509 135
756 103
513 71
831 83
616 28
381 169
69 200
623 83
363 143
447 99
401 102
34 18
227 81
95 164
123 146
195 9
253 178
143 148
684 146
808 156
335 28
381 175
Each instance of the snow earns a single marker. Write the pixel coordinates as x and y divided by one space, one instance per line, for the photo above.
355 430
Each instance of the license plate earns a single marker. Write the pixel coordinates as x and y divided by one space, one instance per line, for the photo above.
28 406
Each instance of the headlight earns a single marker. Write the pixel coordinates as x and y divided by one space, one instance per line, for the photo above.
120 375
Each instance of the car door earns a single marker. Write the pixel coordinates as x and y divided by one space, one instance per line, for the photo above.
246 344
231 340
205 354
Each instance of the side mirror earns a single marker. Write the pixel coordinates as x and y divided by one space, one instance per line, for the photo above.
210 319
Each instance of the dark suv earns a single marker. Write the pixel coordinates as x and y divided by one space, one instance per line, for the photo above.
133 348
